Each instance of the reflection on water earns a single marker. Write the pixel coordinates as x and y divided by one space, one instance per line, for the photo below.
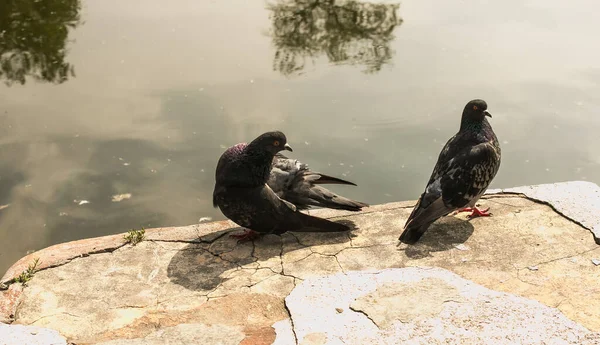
33 38
356 33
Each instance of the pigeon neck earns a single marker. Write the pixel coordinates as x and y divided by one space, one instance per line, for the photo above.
261 163
474 125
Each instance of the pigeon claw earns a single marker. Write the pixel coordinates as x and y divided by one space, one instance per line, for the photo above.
247 235
475 212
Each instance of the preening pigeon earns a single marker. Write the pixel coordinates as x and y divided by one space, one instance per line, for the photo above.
262 190
464 170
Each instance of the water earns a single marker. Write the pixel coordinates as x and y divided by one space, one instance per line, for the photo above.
114 113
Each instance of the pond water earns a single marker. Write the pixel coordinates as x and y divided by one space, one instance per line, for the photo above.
113 114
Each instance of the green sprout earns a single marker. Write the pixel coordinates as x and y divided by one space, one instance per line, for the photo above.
26 275
135 236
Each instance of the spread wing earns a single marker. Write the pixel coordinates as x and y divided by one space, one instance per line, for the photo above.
293 181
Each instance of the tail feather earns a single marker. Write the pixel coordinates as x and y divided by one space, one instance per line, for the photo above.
315 224
411 235
325 198
326 179
421 218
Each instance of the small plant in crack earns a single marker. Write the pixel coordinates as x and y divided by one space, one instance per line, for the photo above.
134 236
26 275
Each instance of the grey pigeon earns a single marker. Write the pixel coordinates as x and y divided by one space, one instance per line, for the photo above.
244 196
293 181
464 170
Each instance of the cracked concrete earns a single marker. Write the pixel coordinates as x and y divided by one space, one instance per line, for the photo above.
190 284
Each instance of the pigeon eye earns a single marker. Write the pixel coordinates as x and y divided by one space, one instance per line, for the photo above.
474 107
276 143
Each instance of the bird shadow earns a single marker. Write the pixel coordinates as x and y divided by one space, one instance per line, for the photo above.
203 265
442 235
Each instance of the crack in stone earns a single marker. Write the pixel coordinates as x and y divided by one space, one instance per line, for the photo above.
365 314
339 264
214 239
558 259
131 307
287 309
51 315
282 273
66 261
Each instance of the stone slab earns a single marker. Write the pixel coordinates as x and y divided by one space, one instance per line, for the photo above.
422 306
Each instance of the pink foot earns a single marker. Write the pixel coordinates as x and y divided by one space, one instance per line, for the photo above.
475 212
247 235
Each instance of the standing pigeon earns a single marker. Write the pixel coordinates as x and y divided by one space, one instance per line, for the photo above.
463 172
254 197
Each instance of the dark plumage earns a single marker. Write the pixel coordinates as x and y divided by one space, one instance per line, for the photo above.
464 170
261 190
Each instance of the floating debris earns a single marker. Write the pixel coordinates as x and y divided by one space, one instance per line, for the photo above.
62 214
121 197
2 207
81 202
204 219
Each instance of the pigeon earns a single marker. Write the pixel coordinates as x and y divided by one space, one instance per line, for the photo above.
263 191
464 170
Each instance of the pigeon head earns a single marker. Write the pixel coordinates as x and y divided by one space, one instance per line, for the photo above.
271 142
475 111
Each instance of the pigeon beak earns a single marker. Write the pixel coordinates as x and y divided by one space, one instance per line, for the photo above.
486 113
288 147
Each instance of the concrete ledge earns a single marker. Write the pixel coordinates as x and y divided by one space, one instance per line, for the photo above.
196 283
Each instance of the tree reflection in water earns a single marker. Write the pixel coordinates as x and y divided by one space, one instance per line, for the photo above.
351 32
33 36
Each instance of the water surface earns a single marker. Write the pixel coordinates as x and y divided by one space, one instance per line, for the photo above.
114 113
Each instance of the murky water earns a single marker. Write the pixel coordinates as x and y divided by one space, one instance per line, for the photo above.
114 113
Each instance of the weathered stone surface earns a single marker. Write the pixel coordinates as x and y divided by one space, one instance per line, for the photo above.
29 335
9 299
187 334
577 200
199 276
422 306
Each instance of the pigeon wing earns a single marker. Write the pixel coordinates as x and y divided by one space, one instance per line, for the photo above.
469 174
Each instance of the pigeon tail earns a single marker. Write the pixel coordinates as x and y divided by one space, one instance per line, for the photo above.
421 218
314 224
411 234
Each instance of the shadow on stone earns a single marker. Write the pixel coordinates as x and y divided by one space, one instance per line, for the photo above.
441 235
205 265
